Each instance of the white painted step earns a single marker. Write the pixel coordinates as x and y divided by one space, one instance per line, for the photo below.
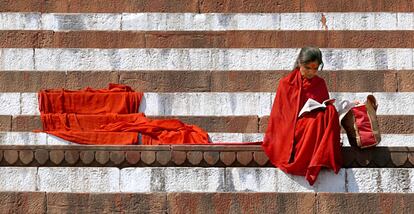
195 179
215 103
68 59
206 21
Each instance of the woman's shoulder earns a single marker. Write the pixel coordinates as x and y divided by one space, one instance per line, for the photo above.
319 79
289 78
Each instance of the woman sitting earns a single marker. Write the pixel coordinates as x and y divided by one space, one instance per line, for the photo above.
303 145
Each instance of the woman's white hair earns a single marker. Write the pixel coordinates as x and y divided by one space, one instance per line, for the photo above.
309 54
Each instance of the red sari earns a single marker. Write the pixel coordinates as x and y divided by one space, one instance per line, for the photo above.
302 146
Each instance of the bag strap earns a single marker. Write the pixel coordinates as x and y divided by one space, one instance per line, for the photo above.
344 107
371 100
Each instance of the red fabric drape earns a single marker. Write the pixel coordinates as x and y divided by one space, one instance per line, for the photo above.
302 146
119 99
109 116
166 131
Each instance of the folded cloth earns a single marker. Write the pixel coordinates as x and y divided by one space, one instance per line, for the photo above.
117 99
109 116
164 131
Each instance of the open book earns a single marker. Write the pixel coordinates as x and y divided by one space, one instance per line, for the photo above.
312 104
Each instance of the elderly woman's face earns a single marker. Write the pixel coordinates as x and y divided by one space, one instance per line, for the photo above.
309 70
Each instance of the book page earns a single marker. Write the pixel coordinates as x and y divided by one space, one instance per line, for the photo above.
312 104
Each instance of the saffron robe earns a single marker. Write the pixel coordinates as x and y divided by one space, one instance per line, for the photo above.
109 116
302 146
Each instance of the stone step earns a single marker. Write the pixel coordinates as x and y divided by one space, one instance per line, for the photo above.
323 203
200 6
182 156
201 179
197 59
201 37
351 21
246 124
42 139
216 103
162 81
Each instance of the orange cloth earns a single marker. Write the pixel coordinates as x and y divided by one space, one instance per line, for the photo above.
167 131
301 146
117 99
109 116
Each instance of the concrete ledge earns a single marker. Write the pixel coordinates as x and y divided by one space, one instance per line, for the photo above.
216 104
20 138
18 179
23 202
180 179
183 156
352 21
241 203
160 81
41 202
200 179
198 6
197 59
364 203
17 37
91 179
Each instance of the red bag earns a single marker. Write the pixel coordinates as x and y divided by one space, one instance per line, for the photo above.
360 122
